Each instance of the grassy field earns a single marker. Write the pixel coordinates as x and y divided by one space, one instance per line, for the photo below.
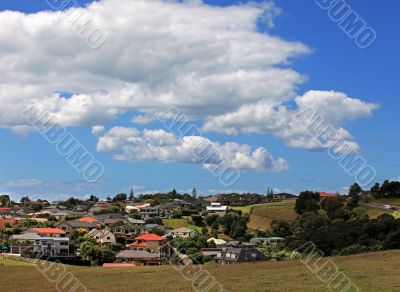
374 212
178 223
261 215
370 272
393 201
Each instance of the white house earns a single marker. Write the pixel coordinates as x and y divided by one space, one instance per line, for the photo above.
218 242
30 243
183 232
217 208
103 236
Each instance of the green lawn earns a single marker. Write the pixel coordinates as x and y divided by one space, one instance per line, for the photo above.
261 215
370 272
178 223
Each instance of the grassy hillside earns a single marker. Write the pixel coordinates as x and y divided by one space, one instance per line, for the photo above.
370 272
178 223
261 215
374 212
393 201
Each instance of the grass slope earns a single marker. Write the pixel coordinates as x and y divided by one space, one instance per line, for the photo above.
261 215
370 272
178 223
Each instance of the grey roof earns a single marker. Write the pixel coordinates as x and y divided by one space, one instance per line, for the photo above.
138 254
78 224
126 226
113 221
135 221
26 236
152 225
241 254
34 236
102 217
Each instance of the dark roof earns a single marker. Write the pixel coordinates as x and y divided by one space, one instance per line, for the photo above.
126 226
78 224
113 221
241 254
102 217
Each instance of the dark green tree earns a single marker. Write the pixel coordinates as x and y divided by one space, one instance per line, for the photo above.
307 202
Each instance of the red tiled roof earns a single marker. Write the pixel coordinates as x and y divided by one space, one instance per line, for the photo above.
5 209
149 236
88 219
9 221
327 195
49 230
112 265
138 244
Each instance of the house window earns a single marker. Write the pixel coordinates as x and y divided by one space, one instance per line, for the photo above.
63 243
108 237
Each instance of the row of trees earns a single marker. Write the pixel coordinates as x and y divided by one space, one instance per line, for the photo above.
337 225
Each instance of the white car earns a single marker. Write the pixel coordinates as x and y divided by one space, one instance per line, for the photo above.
387 207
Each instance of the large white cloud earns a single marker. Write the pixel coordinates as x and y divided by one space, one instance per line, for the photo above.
130 144
334 108
210 62
157 54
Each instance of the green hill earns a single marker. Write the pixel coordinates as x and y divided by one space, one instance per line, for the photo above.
261 215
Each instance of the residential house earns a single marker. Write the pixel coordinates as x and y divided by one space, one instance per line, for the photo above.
235 252
112 222
218 242
6 211
217 208
136 221
103 237
211 252
71 226
88 219
31 244
135 256
4 222
149 212
49 232
129 232
324 195
147 241
183 232
267 240
167 210
102 217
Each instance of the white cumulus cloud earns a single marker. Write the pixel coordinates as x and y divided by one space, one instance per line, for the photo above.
130 144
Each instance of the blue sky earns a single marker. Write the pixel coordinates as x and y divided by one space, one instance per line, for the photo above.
32 166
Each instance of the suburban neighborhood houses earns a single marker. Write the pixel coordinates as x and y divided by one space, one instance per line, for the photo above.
139 230
168 228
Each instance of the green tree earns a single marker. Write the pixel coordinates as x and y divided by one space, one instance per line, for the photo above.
120 197
355 192
307 202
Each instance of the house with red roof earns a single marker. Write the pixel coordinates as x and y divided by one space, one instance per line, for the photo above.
88 220
49 232
327 195
9 221
5 211
148 241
